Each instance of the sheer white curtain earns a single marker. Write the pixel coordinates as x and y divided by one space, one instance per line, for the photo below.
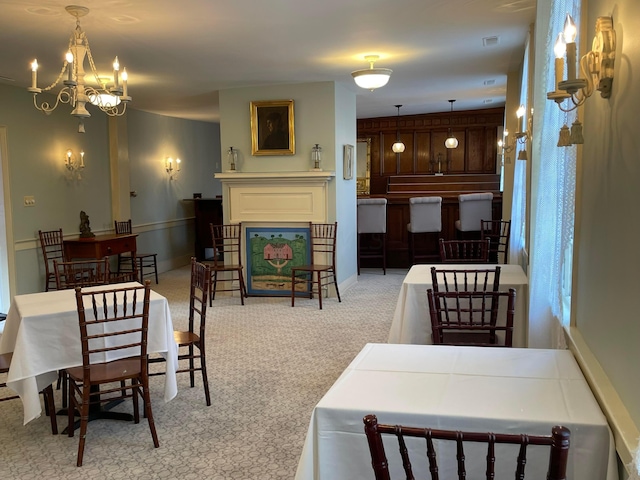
553 177
518 202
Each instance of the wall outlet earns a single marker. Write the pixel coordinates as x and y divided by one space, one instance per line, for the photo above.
29 201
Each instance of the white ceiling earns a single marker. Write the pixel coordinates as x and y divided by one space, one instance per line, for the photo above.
179 54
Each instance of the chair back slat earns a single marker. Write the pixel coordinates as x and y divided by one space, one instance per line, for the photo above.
52 245
122 227
465 280
117 319
499 234
227 244
81 273
464 251
558 443
471 318
198 296
323 241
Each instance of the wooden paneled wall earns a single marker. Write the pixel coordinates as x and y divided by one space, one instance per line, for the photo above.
424 136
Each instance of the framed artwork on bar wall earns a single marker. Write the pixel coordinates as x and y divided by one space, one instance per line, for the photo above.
348 162
272 128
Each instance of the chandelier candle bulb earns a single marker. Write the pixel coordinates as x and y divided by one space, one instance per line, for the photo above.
34 73
125 77
178 164
570 32
116 67
82 159
68 162
69 58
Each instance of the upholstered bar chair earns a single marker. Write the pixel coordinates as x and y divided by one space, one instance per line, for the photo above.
425 216
372 220
474 207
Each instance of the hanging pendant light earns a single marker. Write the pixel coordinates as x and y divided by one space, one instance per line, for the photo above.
451 141
398 147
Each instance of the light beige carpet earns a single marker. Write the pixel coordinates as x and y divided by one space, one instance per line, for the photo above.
269 364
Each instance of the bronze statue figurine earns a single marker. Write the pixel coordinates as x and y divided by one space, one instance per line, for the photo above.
85 228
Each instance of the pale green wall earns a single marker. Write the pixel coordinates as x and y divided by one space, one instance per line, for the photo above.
608 255
324 113
36 147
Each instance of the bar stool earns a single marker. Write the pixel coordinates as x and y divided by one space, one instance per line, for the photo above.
474 207
425 216
372 219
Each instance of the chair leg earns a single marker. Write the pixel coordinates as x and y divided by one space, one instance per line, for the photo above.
51 407
335 283
384 253
135 392
203 369
319 289
191 372
84 420
155 267
241 285
293 287
148 412
63 374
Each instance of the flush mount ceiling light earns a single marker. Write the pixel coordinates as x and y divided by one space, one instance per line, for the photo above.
451 141
398 147
112 101
372 78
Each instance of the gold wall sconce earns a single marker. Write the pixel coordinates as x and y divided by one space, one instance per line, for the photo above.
74 164
521 136
172 167
596 66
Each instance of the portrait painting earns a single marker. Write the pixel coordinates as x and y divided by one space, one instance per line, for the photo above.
272 128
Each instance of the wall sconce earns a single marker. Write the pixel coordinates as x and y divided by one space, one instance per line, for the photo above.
316 156
73 164
596 66
232 158
520 137
172 167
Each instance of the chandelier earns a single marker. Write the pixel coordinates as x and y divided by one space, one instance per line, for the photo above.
111 99
372 78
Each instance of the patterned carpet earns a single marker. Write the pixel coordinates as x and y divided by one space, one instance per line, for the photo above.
269 364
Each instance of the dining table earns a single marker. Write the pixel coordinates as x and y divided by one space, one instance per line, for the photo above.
42 330
411 321
483 389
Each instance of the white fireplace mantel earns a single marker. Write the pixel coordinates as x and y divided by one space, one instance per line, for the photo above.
283 197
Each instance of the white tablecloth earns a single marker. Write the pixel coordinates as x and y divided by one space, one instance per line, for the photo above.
460 388
411 322
43 333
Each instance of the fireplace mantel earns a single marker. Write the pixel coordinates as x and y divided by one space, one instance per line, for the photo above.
282 197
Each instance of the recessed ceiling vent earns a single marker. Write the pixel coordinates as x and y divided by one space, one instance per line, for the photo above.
488 83
488 100
490 41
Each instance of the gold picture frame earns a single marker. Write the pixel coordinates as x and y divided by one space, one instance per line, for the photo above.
272 128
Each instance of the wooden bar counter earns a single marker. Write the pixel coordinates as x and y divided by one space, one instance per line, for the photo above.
401 188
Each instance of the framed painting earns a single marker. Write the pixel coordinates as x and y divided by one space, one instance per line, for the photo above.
348 162
271 253
272 128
